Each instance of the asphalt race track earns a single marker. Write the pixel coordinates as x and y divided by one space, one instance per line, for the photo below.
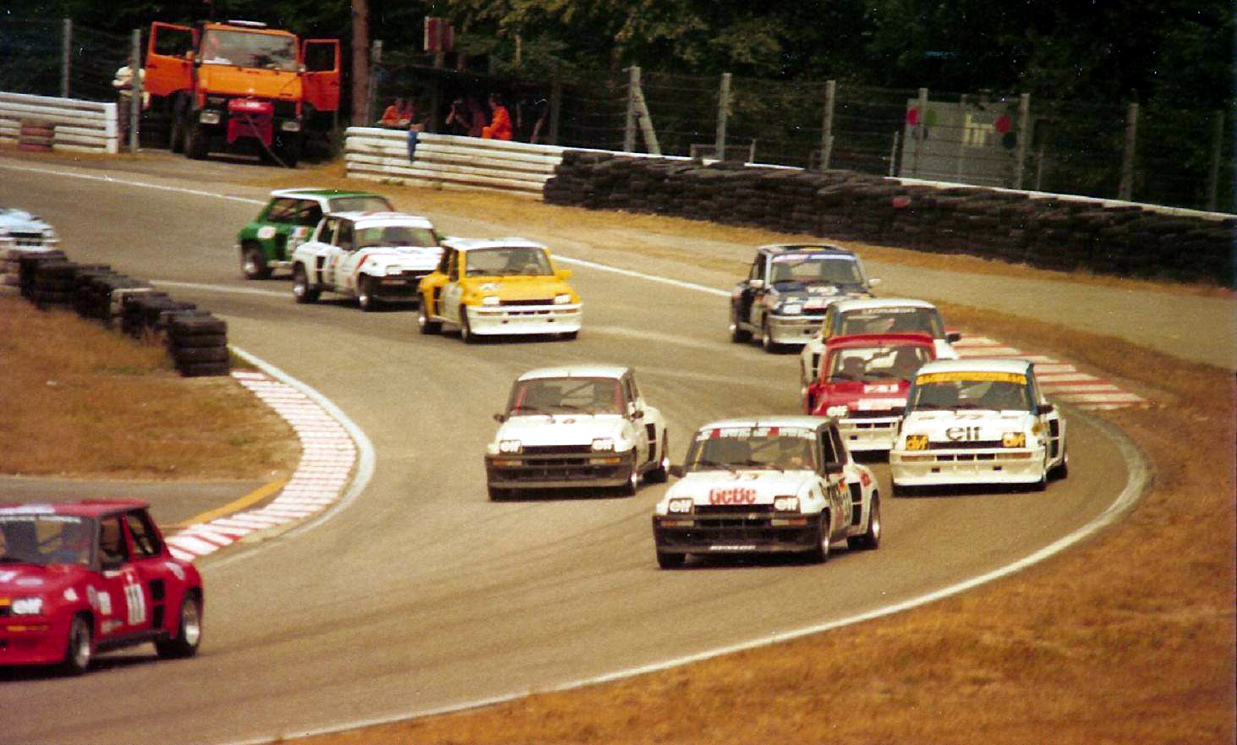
422 594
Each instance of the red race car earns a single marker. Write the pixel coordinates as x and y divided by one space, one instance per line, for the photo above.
81 577
863 383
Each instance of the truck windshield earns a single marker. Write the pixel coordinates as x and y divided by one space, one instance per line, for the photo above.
248 49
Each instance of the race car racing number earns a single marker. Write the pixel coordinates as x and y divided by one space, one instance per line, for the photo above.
135 599
732 495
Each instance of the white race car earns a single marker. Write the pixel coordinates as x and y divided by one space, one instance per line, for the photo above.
875 316
978 421
371 256
580 426
763 485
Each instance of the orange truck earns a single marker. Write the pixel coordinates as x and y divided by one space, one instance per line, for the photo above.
239 86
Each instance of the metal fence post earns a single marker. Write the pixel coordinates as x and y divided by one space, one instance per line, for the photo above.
1213 176
136 87
66 55
1024 128
629 129
826 127
921 125
1126 190
723 109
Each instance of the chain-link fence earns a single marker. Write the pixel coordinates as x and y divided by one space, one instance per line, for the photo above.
60 58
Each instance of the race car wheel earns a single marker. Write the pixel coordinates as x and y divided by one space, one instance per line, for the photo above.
671 561
662 472
466 328
365 295
633 480
1061 470
766 337
301 290
871 539
80 647
819 553
188 632
253 263
738 335
424 324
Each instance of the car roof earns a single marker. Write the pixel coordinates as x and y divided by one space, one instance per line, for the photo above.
576 371
771 420
976 364
386 218
316 193
786 248
880 302
82 508
878 340
474 244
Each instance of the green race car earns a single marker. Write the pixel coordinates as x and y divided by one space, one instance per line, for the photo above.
288 219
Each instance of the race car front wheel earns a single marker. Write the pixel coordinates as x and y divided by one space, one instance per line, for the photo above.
365 294
80 647
819 553
300 286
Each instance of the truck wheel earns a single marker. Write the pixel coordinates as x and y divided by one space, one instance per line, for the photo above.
671 561
365 294
301 290
79 648
819 553
176 140
424 324
871 539
253 263
188 631
196 142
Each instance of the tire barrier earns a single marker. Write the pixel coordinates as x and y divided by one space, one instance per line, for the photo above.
196 341
1044 231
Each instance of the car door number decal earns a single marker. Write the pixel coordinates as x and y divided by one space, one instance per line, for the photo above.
135 599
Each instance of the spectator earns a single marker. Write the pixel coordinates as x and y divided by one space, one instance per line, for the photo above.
398 114
459 120
500 124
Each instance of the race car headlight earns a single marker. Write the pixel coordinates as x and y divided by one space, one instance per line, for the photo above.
1014 440
490 300
31 606
916 442
792 309
679 507
603 444
786 504
510 446
836 411
562 298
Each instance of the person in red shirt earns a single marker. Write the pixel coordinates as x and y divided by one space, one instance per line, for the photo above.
500 124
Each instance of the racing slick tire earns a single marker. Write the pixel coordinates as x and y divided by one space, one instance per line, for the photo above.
188 631
466 333
671 561
301 290
79 648
365 297
766 337
660 473
424 324
253 263
871 539
819 553
738 335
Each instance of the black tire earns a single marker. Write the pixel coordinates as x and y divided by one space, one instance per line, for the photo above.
738 335
819 554
195 341
661 473
185 355
253 262
188 632
201 326
633 481
671 561
203 369
301 291
1061 470
766 337
871 539
79 647
465 328
176 140
196 142
424 324
365 295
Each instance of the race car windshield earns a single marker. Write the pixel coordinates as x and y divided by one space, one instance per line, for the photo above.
816 268
781 448
45 539
247 49
876 363
566 395
503 262
999 395
396 235
372 203
893 321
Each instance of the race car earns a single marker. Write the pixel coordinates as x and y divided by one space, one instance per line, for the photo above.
20 229
571 427
767 485
286 221
81 577
875 316
978 421
786 292
863 383
375 257
498 287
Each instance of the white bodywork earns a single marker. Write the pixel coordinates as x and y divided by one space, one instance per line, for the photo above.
20 229
967 445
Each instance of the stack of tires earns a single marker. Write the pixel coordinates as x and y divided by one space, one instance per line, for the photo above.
198 344
54 283
147 313
28 264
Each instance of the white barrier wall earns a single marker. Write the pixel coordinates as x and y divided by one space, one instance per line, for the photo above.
39 122
448 160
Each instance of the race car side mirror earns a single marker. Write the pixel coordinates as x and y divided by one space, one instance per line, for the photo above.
953 336
677 471
500 418
1045 409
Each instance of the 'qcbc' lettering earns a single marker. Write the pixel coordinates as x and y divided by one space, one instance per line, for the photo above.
732 495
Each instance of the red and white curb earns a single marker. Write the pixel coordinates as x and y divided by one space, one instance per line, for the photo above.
1059 379
328 455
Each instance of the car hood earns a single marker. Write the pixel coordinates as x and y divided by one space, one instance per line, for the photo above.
562 429
828 290
401 256
15 219
861 396
754 486
944 425
18 580
518 288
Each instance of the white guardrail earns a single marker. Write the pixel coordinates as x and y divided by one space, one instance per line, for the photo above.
48 123
394 155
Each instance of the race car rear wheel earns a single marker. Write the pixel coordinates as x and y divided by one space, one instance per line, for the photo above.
424 324
819 553
188 631
79 648
253 263
1061 470
365 294
671 561
871 539
301 290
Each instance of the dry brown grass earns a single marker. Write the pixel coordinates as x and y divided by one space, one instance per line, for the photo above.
99 404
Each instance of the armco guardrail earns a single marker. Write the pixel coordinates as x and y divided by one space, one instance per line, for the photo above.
1042 230
400 156
47 123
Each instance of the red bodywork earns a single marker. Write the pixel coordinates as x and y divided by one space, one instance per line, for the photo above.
250 118
872 393
126 602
